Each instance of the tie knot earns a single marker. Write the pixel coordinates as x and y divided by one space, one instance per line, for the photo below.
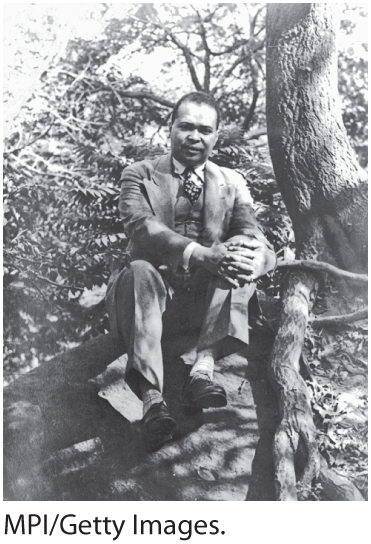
188 172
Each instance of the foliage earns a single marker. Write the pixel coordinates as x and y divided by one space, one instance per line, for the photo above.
353 79
338 394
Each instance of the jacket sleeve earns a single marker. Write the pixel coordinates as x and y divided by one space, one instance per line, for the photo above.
150 239
244 224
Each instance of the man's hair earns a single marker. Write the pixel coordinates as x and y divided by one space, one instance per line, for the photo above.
197 97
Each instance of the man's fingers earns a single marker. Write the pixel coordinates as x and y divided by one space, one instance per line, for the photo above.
240 255
238 268
231 281
254 242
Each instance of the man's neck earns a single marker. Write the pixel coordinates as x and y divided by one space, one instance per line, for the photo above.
180 167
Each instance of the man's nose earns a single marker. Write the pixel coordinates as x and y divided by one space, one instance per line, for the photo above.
194 135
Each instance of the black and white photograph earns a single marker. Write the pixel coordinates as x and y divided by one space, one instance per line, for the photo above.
184 263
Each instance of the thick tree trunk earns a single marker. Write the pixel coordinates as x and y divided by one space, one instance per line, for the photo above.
325 194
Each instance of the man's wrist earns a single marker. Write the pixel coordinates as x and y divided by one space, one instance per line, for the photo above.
271 261
185 261
197 257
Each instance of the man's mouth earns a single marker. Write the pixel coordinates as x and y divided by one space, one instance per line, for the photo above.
193 149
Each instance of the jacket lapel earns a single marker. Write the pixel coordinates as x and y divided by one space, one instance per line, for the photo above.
215 203
161 190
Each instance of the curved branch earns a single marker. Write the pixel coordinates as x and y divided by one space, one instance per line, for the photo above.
228 72
339 319
206 59
296 431
185 50
323 267
229 49
14 150
255 134
148 96
250 114
188 58
139 95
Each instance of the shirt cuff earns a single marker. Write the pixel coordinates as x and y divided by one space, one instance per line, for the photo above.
184 261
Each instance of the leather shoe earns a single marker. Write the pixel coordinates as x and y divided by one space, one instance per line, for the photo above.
158 427
202 392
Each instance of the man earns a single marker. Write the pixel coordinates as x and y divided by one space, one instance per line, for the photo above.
196 252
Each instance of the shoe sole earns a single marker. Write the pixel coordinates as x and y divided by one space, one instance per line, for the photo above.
211 400
160 432
165 425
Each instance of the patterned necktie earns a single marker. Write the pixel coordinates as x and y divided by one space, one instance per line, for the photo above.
191 189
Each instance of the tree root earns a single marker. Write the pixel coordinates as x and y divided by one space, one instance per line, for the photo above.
321 266
339 319
295 449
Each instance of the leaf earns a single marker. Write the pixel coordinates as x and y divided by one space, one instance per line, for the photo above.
330 349
206 474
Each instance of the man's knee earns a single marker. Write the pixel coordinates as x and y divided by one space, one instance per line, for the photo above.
146 278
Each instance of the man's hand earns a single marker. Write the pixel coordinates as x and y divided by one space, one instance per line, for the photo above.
246 260
213 259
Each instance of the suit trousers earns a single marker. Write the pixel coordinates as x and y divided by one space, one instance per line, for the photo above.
152 305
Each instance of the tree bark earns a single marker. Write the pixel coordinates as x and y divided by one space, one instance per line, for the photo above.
325 194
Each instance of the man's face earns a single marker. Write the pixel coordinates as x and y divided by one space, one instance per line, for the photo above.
193 133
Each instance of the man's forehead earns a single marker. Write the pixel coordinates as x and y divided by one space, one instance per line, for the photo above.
202 113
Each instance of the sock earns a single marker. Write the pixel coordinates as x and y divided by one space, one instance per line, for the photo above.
204 364
149 398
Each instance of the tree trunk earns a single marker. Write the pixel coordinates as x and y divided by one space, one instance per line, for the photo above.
325 194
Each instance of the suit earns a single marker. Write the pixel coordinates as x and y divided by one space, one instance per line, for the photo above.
147 208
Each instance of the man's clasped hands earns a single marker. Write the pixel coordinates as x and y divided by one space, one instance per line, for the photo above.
238 261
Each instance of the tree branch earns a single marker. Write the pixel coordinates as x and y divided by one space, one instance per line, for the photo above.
228 72
74 287
229 49
185 50
250 114
12 265
14 150
206 59
323 267
254 134
141 95
188 58
339 319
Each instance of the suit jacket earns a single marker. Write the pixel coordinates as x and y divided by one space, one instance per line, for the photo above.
147 208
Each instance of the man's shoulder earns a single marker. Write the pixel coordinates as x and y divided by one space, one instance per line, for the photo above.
236 181
145 167
230 176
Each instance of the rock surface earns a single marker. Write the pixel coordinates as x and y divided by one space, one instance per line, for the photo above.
90 443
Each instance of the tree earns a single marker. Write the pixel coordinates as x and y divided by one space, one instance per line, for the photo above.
325 194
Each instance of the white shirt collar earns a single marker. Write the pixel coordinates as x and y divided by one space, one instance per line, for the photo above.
179 169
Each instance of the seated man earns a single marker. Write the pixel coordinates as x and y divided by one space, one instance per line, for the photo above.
196 251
